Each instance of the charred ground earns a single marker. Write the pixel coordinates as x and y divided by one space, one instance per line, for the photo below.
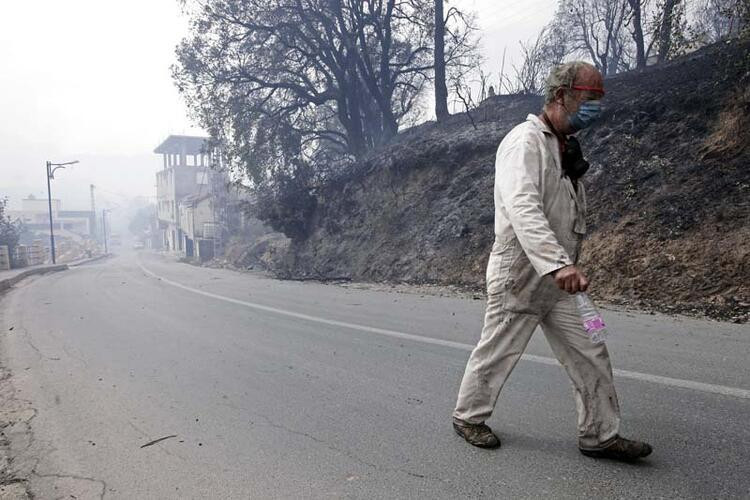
669 194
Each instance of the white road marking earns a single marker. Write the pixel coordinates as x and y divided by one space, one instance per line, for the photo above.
644 377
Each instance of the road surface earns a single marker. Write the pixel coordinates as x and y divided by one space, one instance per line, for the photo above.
272 389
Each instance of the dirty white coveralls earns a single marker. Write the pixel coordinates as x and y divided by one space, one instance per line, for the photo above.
539 225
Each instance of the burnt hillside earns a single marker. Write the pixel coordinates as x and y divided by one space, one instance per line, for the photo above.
669 194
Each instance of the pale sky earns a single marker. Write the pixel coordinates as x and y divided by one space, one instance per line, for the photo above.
89 80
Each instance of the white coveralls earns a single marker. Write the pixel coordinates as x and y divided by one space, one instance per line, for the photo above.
539 225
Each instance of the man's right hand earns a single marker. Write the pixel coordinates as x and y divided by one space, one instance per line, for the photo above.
570 279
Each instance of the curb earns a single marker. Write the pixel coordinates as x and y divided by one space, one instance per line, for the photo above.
9 282
86 261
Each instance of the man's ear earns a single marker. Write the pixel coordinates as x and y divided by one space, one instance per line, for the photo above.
560 96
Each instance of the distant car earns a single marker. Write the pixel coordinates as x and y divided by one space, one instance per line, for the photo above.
138 245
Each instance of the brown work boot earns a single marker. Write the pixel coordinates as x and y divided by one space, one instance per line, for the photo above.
622 449
476 434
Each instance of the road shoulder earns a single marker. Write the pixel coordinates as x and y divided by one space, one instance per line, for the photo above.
16 435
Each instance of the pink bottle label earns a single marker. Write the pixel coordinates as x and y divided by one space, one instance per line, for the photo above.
593 324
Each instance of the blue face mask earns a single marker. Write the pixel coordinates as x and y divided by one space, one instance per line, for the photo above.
587 114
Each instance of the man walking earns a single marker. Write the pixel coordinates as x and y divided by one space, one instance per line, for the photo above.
540 209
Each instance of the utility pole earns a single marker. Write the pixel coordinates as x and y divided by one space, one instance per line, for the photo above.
50 176
502 72
92 231
49 201
104 229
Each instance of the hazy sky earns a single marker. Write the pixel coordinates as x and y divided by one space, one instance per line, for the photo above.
90 80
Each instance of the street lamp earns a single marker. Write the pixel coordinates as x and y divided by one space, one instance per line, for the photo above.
50 176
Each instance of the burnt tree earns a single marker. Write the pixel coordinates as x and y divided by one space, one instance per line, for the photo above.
330 75
441 89
637 20
664 34
598 30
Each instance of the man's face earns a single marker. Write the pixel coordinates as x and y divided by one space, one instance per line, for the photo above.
587 86
586 80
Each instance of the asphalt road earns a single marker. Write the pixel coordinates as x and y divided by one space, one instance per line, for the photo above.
275 389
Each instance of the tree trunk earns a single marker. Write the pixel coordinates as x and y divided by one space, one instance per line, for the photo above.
441 90
350 110
640 50
665 30
390 124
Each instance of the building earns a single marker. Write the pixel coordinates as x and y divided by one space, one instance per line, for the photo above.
198 215
188 195
185 173
34 214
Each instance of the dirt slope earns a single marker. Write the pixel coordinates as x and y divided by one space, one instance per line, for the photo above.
669 193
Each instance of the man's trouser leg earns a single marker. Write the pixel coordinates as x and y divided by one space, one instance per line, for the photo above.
504 338
589 369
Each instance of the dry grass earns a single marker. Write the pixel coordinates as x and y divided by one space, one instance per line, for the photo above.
702 272
730 135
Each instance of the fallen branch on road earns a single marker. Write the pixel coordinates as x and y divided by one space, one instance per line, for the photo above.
157 440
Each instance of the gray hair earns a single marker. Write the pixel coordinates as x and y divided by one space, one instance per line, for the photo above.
562 77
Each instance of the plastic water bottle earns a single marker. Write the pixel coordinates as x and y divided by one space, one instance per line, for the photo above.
592 320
